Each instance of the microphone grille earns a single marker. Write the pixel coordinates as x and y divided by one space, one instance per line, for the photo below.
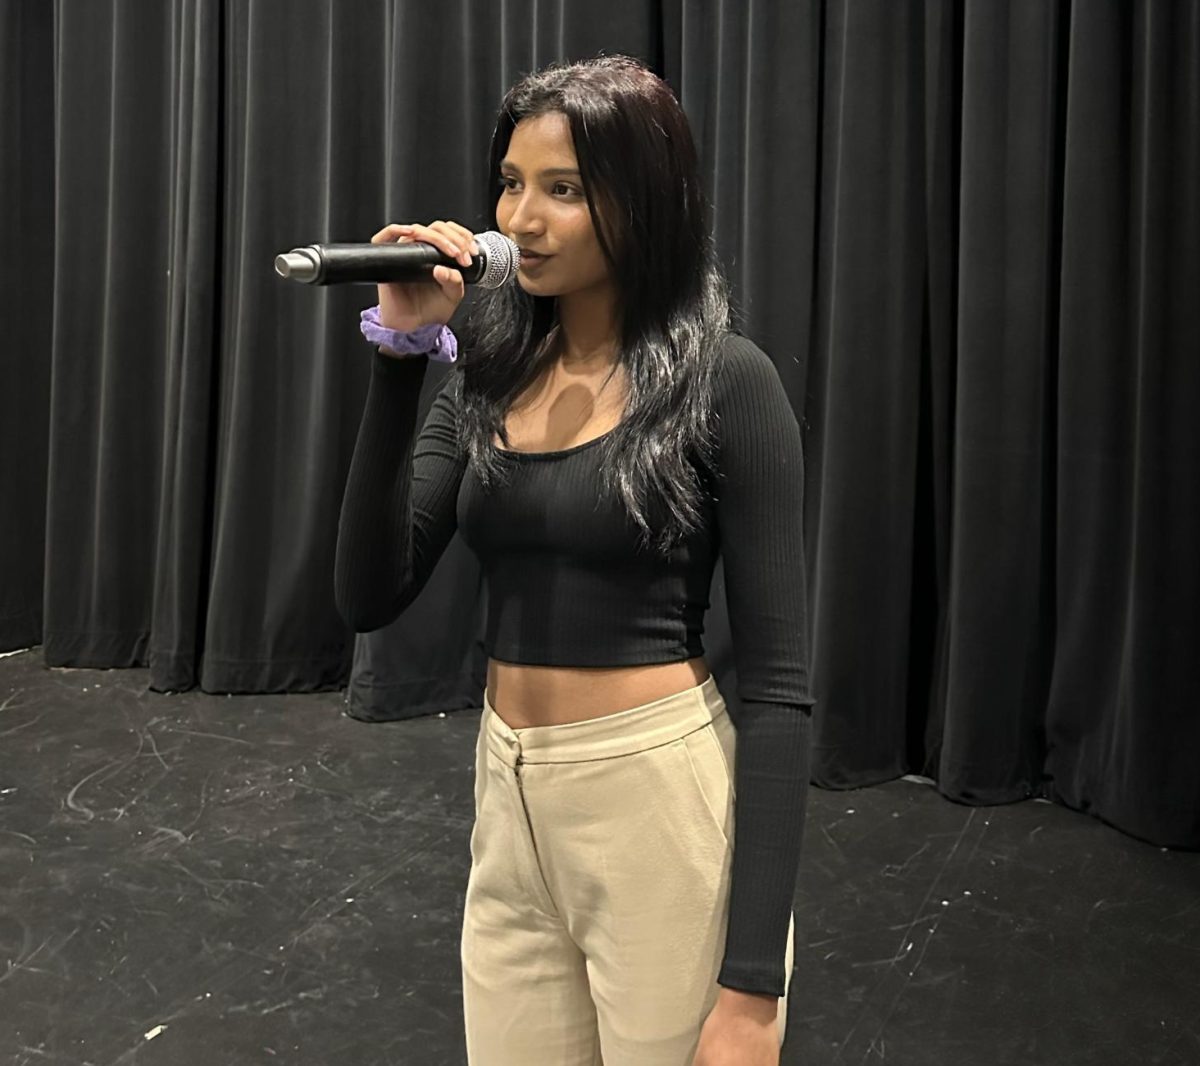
502 258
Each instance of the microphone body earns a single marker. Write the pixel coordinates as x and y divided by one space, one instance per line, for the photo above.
375 264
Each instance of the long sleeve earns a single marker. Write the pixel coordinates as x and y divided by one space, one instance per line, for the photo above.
760 515
398 510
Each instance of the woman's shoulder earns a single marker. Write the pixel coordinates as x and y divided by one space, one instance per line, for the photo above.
752 407
743 366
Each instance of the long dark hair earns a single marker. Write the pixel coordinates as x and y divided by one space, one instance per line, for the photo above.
640 176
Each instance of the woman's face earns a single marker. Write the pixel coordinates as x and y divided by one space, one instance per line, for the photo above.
543 209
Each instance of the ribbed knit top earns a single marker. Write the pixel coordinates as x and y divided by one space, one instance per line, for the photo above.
569 585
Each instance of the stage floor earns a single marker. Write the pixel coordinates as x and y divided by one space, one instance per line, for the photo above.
201 880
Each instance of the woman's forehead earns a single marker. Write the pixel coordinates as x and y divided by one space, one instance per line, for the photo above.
544 140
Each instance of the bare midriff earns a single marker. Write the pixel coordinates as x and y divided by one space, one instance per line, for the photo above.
523 695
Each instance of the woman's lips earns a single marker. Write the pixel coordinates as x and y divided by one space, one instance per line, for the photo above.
528 259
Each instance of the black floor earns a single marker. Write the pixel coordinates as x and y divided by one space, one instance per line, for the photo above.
199 880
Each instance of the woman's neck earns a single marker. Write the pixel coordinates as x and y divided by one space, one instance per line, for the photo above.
588 338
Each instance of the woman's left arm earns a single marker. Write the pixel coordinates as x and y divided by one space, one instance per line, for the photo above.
760 514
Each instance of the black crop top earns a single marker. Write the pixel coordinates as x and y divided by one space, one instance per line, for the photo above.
569 585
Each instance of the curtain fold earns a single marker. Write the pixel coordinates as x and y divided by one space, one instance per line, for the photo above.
1000 607
301 164
183 544
27 219
968 235
1121 723
864 384
110 288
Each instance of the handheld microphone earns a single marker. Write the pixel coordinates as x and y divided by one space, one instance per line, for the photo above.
374 264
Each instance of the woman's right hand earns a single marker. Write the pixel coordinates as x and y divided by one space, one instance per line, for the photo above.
406 306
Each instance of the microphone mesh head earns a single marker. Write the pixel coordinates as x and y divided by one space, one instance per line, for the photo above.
502 258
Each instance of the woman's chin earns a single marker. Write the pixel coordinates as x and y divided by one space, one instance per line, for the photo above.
531 285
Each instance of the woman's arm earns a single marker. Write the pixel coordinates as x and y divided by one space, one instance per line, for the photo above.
398 511
760 514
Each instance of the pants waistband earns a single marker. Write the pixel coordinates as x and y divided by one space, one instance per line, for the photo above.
625 733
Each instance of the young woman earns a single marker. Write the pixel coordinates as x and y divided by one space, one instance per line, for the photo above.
603 439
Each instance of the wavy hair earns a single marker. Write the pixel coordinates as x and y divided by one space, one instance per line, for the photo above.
640 177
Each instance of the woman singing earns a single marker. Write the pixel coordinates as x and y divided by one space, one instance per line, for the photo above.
603 439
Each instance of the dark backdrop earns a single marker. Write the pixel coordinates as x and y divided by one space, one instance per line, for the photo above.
968 234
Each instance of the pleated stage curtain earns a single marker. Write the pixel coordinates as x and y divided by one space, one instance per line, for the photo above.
968 235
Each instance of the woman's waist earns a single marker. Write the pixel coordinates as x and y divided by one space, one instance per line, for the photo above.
524 695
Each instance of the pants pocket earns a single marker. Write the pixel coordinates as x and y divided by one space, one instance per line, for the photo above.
706 761
481 776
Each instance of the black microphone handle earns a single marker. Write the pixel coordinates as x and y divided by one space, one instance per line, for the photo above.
375 264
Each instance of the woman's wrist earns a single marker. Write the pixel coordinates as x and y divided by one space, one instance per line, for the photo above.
761 1006
436 340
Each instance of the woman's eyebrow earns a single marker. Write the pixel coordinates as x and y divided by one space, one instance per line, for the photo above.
549 172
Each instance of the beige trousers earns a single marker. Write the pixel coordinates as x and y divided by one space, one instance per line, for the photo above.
596 907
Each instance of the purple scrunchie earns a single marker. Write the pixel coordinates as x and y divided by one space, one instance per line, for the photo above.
435 340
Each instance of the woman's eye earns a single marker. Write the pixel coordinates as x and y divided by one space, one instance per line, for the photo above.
564 187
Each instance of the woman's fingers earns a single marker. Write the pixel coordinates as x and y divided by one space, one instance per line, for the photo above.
450 238
465 237
389 234
460 240
451 282
435 234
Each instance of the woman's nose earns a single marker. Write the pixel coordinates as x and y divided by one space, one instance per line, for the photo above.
525 217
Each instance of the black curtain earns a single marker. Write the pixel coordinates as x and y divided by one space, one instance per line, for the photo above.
968 234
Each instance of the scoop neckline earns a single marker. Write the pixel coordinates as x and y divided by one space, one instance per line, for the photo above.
555 454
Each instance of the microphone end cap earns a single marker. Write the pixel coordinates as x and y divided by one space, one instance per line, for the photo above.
295 266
